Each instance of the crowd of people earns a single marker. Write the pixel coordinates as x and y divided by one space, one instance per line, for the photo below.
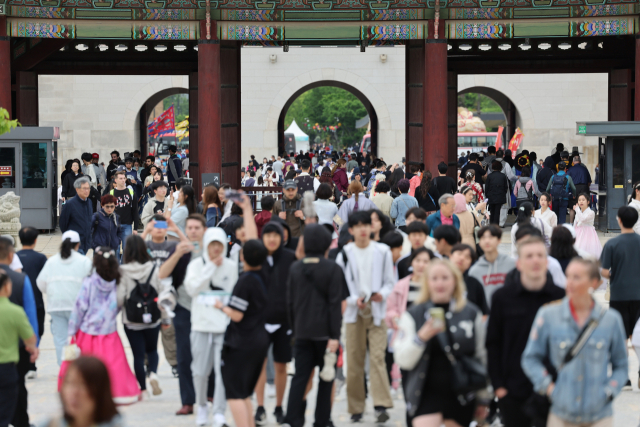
383 278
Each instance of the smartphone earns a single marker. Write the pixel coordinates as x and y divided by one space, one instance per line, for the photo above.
233 195
437 314
160 224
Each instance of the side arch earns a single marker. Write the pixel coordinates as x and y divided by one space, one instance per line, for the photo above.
373 117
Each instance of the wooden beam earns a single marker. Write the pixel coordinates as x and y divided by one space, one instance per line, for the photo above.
37 54
116 68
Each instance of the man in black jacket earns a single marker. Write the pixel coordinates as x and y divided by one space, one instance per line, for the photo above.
276 270
513 310
496 189
314 298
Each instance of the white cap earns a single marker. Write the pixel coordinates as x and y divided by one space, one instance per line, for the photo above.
71 235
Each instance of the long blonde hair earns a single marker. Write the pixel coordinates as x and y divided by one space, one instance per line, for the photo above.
459 291
340 163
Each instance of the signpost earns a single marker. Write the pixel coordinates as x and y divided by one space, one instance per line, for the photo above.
210 178
6 170
2 9
582 129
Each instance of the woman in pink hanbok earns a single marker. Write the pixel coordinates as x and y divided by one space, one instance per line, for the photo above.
92 326
586 235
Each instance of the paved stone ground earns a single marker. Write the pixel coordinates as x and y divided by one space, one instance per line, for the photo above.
159 410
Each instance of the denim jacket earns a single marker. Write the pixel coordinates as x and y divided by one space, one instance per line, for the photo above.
584 390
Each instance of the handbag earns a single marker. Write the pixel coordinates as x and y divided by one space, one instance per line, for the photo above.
469 374
537 406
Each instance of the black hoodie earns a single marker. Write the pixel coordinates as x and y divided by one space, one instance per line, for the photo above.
277 276
546 173
292 243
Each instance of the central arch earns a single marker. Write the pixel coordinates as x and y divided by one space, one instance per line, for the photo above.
373 117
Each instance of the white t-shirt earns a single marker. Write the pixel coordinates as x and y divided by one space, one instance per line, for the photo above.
364 260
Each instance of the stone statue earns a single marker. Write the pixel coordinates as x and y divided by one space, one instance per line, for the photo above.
10 214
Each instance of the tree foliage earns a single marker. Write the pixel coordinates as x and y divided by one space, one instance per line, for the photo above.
7 125
180 105
328 107
486 104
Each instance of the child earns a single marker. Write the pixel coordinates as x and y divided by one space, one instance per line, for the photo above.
264 216
206 277
105 225
246 341
586 235
92 326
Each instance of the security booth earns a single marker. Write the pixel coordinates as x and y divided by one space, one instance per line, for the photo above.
28 165
619 160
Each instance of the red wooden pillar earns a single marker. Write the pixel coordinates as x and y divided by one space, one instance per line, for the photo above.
414 114
636 103
209 131
27 98
620 95
194 152
5 66
435 124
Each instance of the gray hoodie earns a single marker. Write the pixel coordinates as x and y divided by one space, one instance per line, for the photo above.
492 275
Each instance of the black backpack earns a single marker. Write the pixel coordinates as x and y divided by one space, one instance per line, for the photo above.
305 183
142 301
559 187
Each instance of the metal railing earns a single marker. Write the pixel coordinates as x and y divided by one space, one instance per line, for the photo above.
256 193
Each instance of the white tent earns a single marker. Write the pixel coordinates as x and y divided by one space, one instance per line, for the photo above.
302 139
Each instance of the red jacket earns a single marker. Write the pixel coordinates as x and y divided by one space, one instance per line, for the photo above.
340 178
261 219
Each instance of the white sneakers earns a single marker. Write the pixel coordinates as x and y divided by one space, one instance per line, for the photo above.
31 375
219 420
202 415
271 390
155 384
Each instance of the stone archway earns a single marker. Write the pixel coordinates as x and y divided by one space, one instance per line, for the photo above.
373 117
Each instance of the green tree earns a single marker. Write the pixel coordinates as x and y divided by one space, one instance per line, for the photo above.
180 105
328 106
7 125
473 101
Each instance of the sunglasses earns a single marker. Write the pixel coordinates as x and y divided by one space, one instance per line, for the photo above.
109 206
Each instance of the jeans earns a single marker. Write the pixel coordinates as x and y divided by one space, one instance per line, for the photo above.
127 230
143 342
182 325
8 392
560 208
59 327
309 354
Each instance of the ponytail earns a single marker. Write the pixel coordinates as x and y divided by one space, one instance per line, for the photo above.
65 248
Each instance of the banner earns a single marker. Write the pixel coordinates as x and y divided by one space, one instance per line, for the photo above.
499 138
515 141
163 125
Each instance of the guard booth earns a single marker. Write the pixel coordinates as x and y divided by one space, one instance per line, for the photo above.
28 165
619 160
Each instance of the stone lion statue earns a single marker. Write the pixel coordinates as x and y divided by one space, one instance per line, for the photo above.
10 214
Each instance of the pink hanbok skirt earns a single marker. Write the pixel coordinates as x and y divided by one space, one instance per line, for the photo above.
108 348
587 240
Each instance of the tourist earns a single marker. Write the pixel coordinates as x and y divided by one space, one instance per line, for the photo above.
290 208
264 216
525 189
417 234
594 337
445 215
476 188
61 279
276 271
356 202
76 213
443 183
147 171
581 179
102 175
156 204
174 166
226 204
446 237
586 235
211 205
113 164
88 169
380 225
339 175
106 228
68 185
432 399
496 192
381 198
133 179
414 179
368 269
545 213
325 209
402 204
16 329
304 181
209 277
32 264
126 207
250 180
546 173
19 292
141 326
561 189
468 220
474 165
179 213
634 202
315 293
93 326
563 246
246 340
395 176
352 163
489 158
427 193
620 265
491 268
463 256
525 217
513 310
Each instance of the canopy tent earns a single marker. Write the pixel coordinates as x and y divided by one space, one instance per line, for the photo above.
302 139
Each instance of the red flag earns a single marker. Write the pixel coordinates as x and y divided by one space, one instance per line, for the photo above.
499 138
164 124
515 141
